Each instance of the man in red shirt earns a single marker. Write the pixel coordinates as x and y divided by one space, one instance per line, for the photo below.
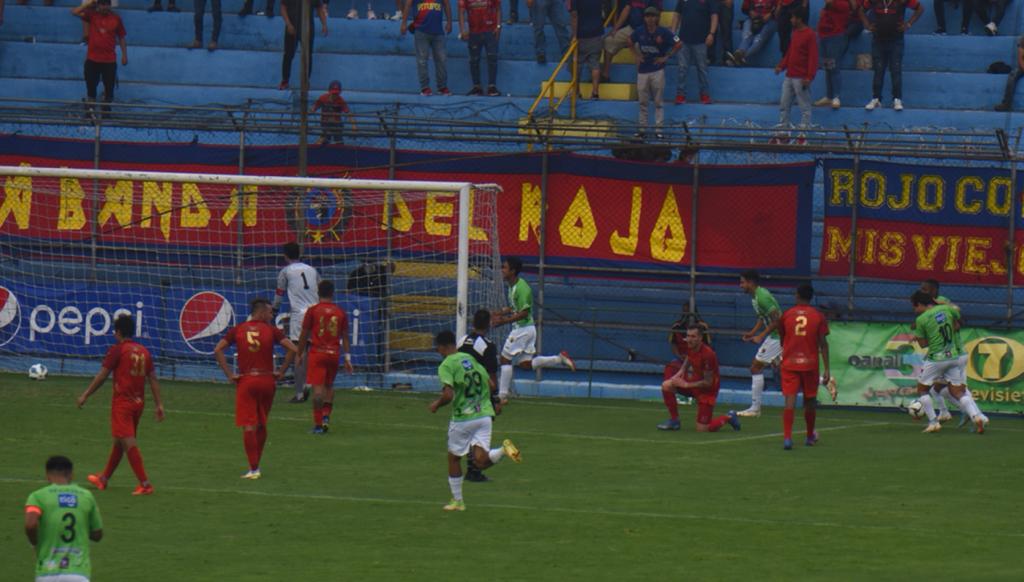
800 64
331 105
804 332
324 326
106 31
132 366
484 18
698 378
255 381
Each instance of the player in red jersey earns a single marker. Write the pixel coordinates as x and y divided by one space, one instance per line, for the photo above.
132 366
804 332
256 380
698 377
324 327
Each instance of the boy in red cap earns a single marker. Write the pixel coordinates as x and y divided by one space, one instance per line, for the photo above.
331 106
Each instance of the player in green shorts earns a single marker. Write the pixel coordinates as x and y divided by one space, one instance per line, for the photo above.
60 519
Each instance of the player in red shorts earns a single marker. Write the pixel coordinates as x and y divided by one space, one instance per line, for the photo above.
804 332
132 366
256 380
700 379
324 327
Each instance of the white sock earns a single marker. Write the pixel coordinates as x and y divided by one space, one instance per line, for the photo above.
455 484
929 408
496 455
943 409
547 361
968 405
505 381
756 388
300 378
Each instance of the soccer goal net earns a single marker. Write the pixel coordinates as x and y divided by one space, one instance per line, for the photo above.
185 253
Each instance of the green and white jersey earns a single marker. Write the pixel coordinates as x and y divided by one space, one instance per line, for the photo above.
67 514
764 304
943 300
468 380
520 298
937 327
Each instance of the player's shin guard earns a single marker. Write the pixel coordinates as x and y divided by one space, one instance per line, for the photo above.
787 423
968 405
671 404
455 484
505 380
113 461
717 423
810 414
937 398
135 458
756 389
546 361
252 449
929 408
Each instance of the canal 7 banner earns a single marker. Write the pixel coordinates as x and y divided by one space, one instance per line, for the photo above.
918 222
877 364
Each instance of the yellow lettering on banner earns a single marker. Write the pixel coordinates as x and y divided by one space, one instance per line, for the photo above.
892 246
626 245
157 196
999 196
976 255
194 211
71 215
578 227
952 253
529 214
668 238
976 186
117 204
836 244
17 201
438 209
401 217
250 202
931 193
870 237
475 232
842 188
926 256
903 201
872 189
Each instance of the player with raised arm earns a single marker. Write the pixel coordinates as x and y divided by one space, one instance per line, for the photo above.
699 378
255 380
324 328
300 282
464 385
766 308
935 328
485 352
60 520
132 366
521 344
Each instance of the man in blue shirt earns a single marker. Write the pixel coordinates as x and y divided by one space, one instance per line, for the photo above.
696 22
629 17
432 21
653 46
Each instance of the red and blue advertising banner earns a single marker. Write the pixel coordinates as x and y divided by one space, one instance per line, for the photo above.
917 222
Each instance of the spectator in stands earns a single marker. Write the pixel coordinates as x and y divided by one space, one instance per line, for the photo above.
833 26
800 64
887 44
268 11
990 11
331 106
158 7
397 16
696 22
484 32
200 9
629 19
758 29
291 12
588 31
106 31
1011 80
653 46
782 11
555 11
513 12
940 15
723 40
353 12
429 36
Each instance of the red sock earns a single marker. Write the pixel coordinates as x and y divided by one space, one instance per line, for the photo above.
135 458
113 461
717 423
671 404
787 423
252 448
318 415
328 407
810 414
261 440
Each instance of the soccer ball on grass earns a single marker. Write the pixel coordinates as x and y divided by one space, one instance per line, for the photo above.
37 372
916 410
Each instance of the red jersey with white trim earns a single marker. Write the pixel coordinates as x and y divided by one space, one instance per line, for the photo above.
326 323
255 342
802 328
700 361
131 363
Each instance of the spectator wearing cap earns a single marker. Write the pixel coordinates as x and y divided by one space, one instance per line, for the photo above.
758 29
1011 80
588 32
106 31
157 6
484 32
696 22
833 34
331 106
628 19
800 64
291 12
200 9
653 46
430 24
887 27
542 11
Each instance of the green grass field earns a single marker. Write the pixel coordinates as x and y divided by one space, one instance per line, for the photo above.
601 495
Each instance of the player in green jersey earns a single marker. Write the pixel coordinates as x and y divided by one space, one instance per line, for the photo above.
464 385
940 392
767 310
521 344
935 328
60 519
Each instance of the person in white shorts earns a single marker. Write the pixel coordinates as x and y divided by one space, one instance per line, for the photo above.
300 281
521 345
940 392
766 308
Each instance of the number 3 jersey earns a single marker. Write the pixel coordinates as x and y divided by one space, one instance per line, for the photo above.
131 363
468 380
67 513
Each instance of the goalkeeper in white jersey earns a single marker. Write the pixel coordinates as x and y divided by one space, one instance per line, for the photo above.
300 281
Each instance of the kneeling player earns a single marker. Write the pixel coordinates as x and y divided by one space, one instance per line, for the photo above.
804 333
325 325
699 378
464 384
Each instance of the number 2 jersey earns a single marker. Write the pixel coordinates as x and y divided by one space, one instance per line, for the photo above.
468 380
327 325
255 343
801 328
131 363
67 513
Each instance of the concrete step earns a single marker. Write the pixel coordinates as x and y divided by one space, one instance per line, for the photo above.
608 91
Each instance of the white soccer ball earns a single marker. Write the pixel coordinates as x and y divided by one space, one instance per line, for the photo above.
37 372
916 410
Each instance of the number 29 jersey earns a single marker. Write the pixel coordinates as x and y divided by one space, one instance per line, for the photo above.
802 328
255 342
468 380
